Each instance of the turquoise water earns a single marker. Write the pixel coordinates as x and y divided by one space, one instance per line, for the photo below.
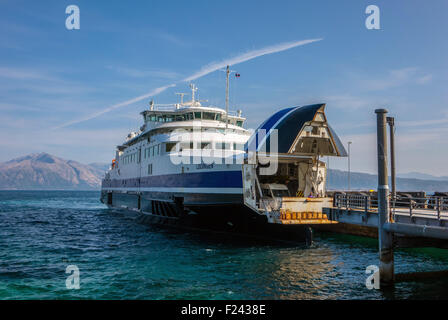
42 232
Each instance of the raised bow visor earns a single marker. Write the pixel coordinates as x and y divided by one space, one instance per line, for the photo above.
283 176
300 131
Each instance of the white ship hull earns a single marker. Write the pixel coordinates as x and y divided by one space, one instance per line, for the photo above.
217 179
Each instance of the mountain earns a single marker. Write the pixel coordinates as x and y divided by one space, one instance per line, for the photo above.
418 175
103 167
338 180
44 172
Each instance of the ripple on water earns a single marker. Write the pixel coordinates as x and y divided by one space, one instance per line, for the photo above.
41 233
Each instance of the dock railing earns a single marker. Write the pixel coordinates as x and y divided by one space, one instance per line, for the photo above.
424 207
432 207
354 201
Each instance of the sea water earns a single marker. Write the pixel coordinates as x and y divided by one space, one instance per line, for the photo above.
44 232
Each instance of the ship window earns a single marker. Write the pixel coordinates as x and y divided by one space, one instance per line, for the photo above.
170 146
150 168
169 118
218 117
189 116
186 145
209 116
158 149
238 146
152 151
152 118
222 145
206 145
239 123
180 118
197 115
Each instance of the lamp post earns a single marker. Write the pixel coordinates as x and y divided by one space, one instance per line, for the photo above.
349 143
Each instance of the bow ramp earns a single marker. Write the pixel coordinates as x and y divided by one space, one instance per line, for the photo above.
283 176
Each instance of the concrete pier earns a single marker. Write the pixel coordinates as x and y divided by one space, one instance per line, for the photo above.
408 220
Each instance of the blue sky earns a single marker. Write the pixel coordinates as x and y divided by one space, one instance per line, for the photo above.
50 76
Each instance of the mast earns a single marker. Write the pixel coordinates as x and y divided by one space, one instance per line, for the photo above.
227 96
181 94
193 90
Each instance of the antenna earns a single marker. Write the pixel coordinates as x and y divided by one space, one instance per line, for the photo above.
227 96
193 90
181 94
228 72
151 105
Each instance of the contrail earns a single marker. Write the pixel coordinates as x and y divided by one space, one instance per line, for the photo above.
209 68
116 106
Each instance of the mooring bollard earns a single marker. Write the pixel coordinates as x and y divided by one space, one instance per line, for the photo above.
385 238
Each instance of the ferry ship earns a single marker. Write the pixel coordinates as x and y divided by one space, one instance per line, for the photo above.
197 166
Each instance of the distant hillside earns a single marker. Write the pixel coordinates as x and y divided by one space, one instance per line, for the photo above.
422 176
337 180
103 167
44 171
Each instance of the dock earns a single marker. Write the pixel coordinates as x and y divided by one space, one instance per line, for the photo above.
397 219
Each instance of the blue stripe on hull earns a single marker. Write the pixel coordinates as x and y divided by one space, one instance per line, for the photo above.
212 179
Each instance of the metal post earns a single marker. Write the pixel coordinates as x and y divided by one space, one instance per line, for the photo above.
391 122
349 143
385 238
227 97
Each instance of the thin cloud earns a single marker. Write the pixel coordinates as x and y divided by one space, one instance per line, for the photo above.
397 78
214 66
116 106
21 74
138 73
209 68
